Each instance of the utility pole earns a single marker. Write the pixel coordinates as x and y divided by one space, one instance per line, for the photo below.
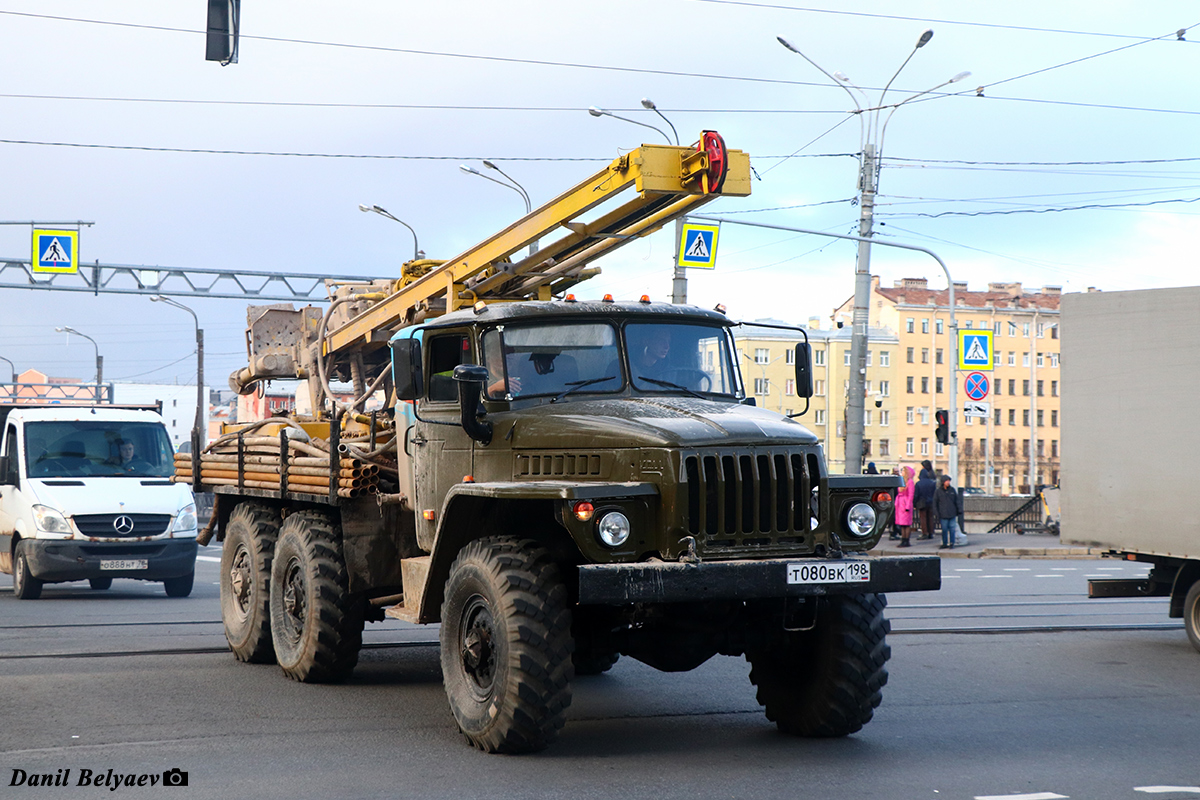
860 321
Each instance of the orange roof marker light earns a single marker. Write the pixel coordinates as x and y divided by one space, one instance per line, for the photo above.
720 308
427 514
644 298
608 298
569 298
480 307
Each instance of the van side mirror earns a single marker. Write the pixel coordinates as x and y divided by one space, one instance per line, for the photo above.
804 378
406 369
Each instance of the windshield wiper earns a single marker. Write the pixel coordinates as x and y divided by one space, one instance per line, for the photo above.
579 385
670 385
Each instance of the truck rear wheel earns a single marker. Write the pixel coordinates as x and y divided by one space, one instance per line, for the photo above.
506 645
827 680
181 586
246 557
25 586
315 627
1191 614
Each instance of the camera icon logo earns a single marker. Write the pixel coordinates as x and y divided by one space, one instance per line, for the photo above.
175 777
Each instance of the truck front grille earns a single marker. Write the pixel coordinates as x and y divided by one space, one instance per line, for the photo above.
122 526
747 499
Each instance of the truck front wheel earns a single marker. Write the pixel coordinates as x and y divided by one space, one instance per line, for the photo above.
1191 614
25 586
826 680
246 557
315 627
506 645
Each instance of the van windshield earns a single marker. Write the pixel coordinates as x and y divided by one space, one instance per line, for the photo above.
79 449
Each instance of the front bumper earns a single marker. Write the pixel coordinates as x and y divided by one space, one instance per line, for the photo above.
57 560
672 582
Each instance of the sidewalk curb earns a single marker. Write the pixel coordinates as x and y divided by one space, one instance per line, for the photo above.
1000 552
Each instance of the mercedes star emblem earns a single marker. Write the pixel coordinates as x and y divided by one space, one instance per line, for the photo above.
123 524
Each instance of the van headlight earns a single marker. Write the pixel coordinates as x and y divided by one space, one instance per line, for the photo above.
860 520
613 529
185 520
51 521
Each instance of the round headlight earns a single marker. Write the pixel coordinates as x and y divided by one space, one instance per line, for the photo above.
613 529
861 520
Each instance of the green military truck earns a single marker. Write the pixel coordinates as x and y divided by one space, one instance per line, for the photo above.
557 483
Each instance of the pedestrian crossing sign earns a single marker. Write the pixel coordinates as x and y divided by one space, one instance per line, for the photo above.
55 251
975 349
698 245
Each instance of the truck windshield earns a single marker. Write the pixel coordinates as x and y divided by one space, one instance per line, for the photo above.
669 357
79 449
551 359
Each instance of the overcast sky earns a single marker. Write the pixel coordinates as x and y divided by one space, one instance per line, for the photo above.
1062 173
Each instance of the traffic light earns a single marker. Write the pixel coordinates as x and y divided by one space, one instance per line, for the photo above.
943 426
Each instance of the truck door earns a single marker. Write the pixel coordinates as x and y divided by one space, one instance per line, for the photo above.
442 451
8 499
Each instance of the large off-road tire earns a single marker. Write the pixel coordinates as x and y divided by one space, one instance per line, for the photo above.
100 584
1191 614
506 645
25 586
246 559
827 681
315 627
181 586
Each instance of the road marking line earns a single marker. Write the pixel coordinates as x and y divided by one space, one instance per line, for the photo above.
1049 576
967 569
1017 569
995 576
1038 796
1064 569
208 558
1164 789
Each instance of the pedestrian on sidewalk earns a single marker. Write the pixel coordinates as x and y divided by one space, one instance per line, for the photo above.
947 503
923 499
904 505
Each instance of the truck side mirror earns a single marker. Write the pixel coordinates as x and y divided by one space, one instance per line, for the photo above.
470 379
406 369
804 379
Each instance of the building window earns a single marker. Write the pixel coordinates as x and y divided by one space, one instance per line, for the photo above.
846 359
1053 418
789 387
924 355
909 415
868 358
909 355
1054 446
1012 416
937 387
939 327
1041 362
866 447
908 446
885 358
1012 329
939 449
867 418
924 412
819 358
1025 417
789 356
924 447
762 386
909 381
924 326
885 447
997 416
924 385
1025 447
937 356
762 355
1025 330
819 419
885 388
819 388
1025 387
1054 388
1039 418
885 418
969 324
1012 386
968 446
983 448
1054 358
997 329
1012 447
996 447
1039 388
1040 447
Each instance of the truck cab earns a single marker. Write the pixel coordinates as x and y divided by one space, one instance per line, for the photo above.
86 494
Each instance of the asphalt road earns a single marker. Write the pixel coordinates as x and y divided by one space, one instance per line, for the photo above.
1005 683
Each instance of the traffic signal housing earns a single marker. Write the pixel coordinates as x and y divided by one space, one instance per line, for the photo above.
943 426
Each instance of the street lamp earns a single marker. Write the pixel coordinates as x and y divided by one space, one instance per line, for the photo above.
383 212
198 435
600 112
10 366
871 138
512 184
647 103
99 361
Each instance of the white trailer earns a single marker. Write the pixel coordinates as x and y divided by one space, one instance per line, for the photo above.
1131 382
